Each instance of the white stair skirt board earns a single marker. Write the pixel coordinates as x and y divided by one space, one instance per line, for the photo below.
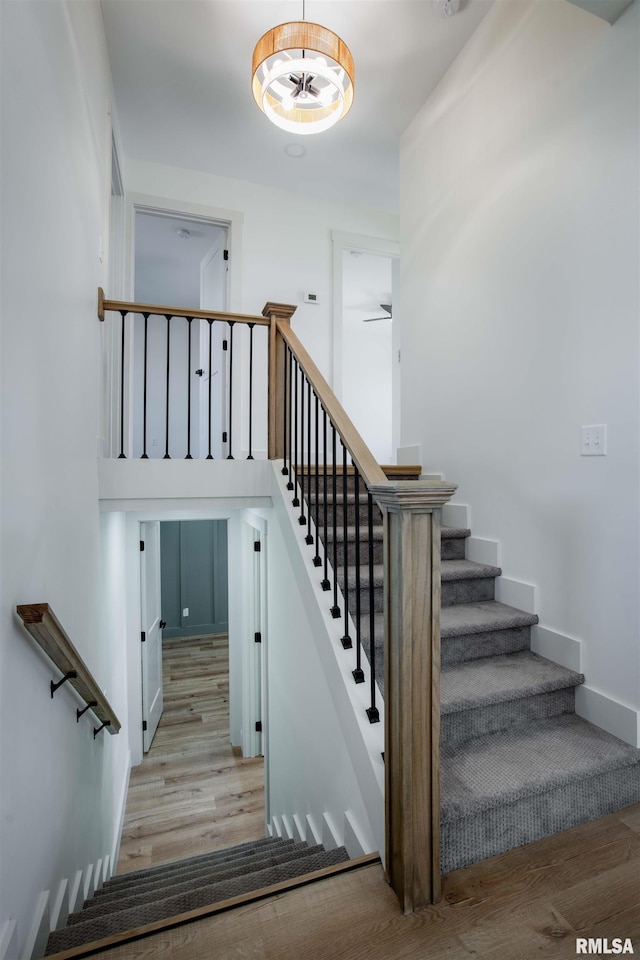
356 846
76 898
276 827
122 804
557 647
409 455
36 942
314 836
455 515
516 594
286 826
299 829
97 875
483 551
9 941
60 906
331 834
106 869
614 717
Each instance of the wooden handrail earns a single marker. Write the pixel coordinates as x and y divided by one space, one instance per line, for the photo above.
369 468
155 309
45 628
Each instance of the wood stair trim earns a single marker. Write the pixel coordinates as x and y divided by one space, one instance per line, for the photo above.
200 913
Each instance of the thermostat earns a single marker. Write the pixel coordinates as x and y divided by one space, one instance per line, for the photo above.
311 298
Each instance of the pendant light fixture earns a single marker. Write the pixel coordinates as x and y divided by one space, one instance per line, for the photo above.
302 76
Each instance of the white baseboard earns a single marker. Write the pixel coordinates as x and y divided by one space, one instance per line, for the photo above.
409 455
516 594
353 838
122 806
287 828
60 906
76 898
87 882
299 829
557 647
276 827
9 941
483 551
455 515
331 833
614 717
314 836
36 941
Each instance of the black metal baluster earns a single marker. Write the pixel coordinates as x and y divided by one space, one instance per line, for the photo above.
231 325
372 711
188 456
251 326
285 406
301 518
210 322
121 455
144 392
290 481
346 639
326 585
335 609
317 560
309 537
358 673
295 501
166 427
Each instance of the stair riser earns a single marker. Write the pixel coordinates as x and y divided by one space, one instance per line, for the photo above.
475 646
452 548
339 512
456 728
452 591
493 831
223 856
378 552
181 884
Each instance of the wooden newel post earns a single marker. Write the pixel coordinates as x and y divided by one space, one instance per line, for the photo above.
412 511
276 313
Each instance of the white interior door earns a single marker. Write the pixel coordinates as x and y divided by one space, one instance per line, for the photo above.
151 631
213 296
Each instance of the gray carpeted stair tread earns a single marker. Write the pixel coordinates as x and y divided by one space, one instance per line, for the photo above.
468 570
497 679
454 533
182 883
201 859
516 764
160 909
470 618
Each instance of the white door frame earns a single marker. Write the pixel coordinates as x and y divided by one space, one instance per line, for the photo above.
385 247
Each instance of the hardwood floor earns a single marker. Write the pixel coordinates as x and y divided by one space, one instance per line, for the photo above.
191 794
530 902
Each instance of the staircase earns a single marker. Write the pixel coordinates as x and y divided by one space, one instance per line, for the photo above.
134 899
517 763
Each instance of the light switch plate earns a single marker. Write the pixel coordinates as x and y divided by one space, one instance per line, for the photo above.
593 442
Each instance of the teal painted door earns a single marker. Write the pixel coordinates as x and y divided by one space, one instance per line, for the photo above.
194 577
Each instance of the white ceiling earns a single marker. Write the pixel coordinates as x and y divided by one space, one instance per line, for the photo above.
181 71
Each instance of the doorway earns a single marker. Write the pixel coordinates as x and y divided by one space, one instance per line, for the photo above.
366 336
180 261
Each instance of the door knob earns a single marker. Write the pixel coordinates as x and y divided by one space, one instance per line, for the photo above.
163 624
200 372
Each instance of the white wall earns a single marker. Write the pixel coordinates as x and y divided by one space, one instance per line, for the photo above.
520 310
286 247
58 786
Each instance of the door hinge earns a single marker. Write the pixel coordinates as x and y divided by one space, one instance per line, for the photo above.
256 546
143 636
144 726
141 546
224 436
225 344
225 256
257 637
258 726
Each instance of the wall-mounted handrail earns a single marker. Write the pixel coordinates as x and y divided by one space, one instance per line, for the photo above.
45 628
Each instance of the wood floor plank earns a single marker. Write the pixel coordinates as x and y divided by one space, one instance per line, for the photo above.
192 794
